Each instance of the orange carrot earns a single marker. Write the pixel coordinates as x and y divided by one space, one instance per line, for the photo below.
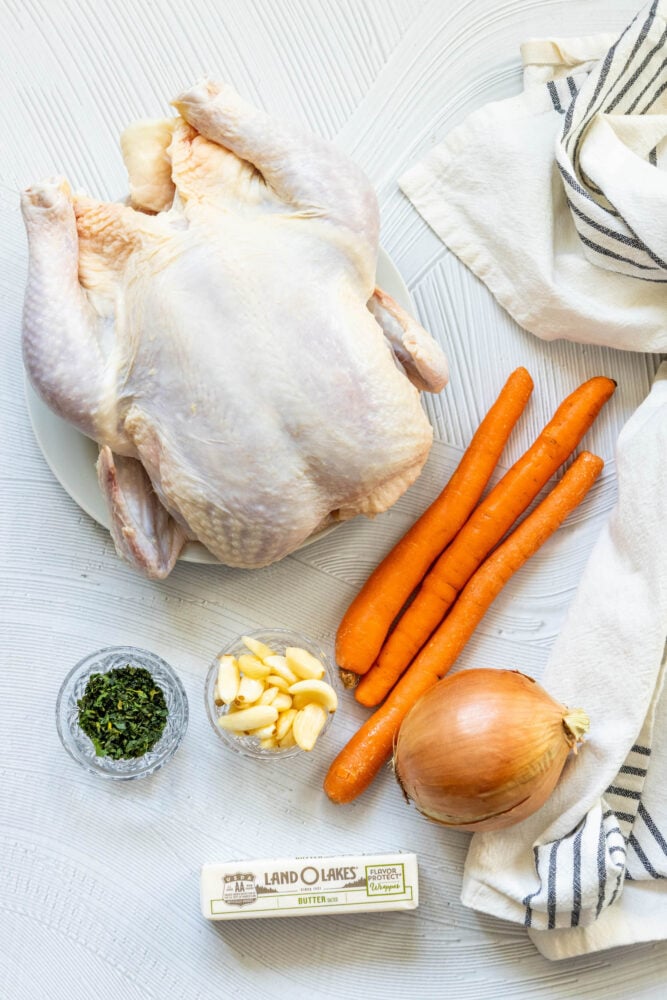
360 760
366 622
482 532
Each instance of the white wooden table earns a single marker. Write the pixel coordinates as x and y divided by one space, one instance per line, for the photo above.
99 881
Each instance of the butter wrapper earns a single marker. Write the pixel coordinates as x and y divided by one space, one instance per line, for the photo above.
295 887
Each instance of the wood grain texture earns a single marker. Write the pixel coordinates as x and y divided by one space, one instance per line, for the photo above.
98 886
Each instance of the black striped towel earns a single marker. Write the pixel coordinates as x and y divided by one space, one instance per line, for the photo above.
589 870
557 198
608 150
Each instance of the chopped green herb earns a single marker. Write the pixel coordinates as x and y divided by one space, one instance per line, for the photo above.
123 712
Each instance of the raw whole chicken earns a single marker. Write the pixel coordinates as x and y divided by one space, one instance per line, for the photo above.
221 338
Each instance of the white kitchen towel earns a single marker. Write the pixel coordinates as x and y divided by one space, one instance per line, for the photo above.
557 198
589 869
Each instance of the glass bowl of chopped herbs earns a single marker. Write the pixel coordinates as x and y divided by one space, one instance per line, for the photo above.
122 712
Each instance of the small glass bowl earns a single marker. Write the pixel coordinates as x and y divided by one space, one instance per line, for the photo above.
277 639
81 748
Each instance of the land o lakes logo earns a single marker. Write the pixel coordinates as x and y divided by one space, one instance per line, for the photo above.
239 889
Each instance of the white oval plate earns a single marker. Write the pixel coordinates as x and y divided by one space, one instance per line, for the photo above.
71 456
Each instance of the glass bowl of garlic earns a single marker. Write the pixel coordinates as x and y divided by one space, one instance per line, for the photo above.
271 694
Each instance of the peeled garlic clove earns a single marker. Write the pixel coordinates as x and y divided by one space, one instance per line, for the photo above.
257 648
247 719
268 696
249 691
227 680
304 664
300 701
279 668
316 690
279 682
264 731
287 740
308 724
284 723
282 701
252 667
269 743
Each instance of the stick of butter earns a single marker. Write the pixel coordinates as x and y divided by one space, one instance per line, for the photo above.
293 887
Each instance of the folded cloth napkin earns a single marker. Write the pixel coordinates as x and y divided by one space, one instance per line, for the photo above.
557 198
589 870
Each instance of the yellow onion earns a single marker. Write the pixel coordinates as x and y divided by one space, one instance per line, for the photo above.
484 748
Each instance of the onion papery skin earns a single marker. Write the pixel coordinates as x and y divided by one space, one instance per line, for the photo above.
484 748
